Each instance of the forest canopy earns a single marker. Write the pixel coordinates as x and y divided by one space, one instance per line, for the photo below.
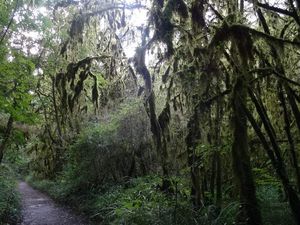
177 111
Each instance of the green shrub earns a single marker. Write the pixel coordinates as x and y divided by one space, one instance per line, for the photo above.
9 197
138 201
111 151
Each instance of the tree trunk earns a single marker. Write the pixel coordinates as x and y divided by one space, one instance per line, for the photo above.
249 209
150 107
191 143
218 124
293 104
6 137
56 109
213 175
293 154
276 157
219 181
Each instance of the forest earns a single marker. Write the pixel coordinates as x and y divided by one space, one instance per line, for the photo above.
139 112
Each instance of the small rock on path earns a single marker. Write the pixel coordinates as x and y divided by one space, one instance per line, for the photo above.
39 209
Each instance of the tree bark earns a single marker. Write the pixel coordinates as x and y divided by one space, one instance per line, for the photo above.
249 209
150 107
56 109
191 143
213 175
218 125
293 154
278 160
293 104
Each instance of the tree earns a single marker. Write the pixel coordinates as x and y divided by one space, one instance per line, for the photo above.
15 98
16 77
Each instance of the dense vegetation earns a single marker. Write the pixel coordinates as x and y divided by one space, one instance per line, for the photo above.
153 111
9 197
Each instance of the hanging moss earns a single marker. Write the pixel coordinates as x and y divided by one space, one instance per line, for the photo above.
78 89
160 3
164 117
83 75
123 21
163 24
166 75
240 36
64 47
175 64
77 27
103 97
71 71
244 43
58 79
84 109
174 104
70 102
132 73
95 93
164 28
140 91
64 98
222 34
177 6
197 11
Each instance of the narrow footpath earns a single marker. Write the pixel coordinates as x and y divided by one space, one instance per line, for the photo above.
39 209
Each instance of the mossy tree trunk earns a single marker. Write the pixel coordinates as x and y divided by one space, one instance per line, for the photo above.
191 144
218 124
249 209
287 128
241 52
150 106
276 156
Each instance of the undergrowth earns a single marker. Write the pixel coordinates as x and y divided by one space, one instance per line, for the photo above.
137 201
9 197
274 207
96 181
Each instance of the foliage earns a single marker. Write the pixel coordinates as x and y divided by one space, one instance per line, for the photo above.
137 201
9 198
17 157
213 90
15 85
140 201
111 152
263 177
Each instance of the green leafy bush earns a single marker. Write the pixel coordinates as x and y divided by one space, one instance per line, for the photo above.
140 201
111 151
9 197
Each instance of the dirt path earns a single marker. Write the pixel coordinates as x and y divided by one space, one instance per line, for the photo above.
39 209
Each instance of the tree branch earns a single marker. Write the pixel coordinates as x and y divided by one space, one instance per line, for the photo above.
275 9
10 22
281 11
269 71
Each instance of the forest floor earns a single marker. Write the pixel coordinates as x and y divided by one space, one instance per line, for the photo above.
39 209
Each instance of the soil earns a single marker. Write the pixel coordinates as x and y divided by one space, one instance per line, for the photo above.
39 209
